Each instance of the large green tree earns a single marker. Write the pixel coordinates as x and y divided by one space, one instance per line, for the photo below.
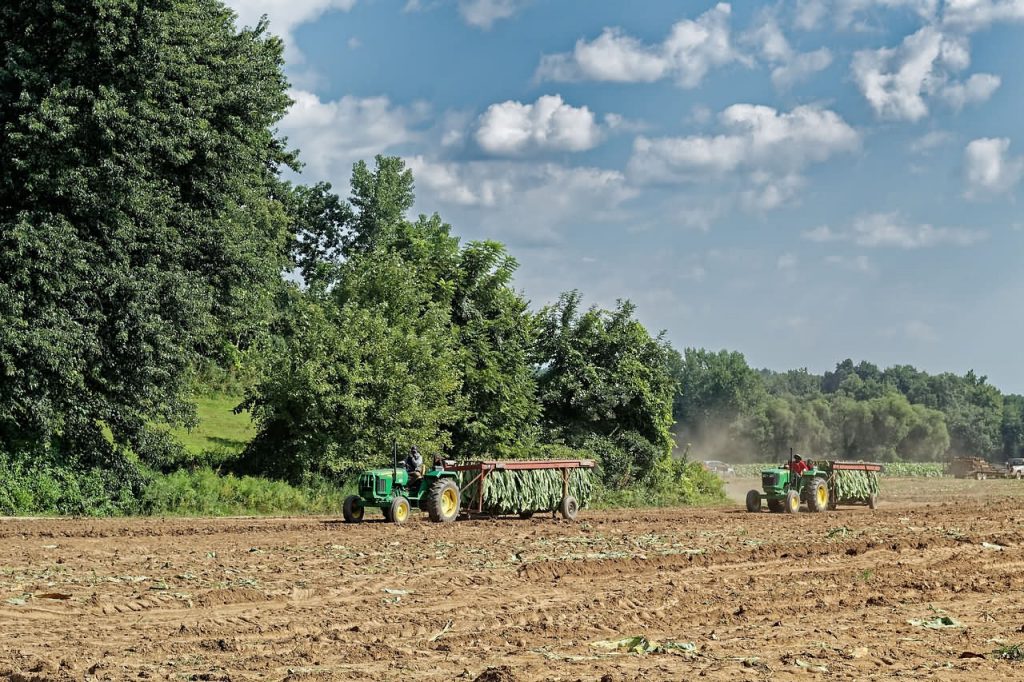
140 225
605 384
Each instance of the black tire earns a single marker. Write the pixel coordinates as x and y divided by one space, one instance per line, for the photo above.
443 501
872 501
776 506
817 495
352 509
386 513
526 515
569 508
792 502
754 501
400 510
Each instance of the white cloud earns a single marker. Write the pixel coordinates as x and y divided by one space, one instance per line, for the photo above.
788 66
285 16
891 230
787 261
549 124
484 13
916 330
692 48
354 43
809 14
989 169
848 12
896 81
334 134
853 263
972 15
481 14
930 141
976 89
769 191
521 200
758 138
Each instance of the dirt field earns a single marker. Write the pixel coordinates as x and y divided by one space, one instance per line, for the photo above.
826 596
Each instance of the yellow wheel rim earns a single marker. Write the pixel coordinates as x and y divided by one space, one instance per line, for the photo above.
794 503
402 512
822 496
357 513
449 502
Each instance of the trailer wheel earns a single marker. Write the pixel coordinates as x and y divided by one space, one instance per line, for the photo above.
352 509
979 476
792 502
872 501
399 510
569 507
817 496
776 506
443 501
526 515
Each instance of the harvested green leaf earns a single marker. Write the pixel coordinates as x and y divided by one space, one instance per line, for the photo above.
532 490
936 623
641 645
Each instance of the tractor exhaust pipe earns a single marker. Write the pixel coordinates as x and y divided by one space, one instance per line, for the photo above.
394 459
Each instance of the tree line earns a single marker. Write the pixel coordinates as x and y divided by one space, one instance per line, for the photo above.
726 409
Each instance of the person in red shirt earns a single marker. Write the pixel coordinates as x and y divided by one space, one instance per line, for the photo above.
798 465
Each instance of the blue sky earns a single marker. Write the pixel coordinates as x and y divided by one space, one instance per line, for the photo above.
802 181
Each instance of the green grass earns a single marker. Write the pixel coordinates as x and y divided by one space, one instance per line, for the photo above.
219 429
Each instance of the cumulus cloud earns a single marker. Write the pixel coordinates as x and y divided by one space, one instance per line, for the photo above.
976 89
481 14
692 48
972 15
334 134
788 66
548 124
989 169
764 148
891 230
757 138
285 16
521 201
896 81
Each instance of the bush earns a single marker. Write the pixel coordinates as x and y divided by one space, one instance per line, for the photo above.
672 482
207 493
39 485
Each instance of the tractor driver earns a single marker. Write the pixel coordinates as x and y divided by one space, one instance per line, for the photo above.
414 465
798 465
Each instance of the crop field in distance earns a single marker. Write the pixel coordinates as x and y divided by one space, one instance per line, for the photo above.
928 586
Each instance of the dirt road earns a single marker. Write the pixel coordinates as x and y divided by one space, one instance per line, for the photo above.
825 596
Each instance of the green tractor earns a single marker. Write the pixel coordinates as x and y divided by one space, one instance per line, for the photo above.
823 486
785 491
396 493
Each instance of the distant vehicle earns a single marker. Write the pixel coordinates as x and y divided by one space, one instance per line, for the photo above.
1015 467
720 468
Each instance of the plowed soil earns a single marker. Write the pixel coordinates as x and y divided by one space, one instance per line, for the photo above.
811 596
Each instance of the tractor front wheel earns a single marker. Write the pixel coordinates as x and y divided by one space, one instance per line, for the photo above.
754 501
443 501
792 503
569 507
817 496
399 510
352 509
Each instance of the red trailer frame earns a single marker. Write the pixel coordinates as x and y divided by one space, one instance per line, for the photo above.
483 468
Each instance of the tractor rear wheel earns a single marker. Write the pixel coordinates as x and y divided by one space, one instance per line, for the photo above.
569 507
776 506
352 509
754 501
399 512
817 495
792 502
443 501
